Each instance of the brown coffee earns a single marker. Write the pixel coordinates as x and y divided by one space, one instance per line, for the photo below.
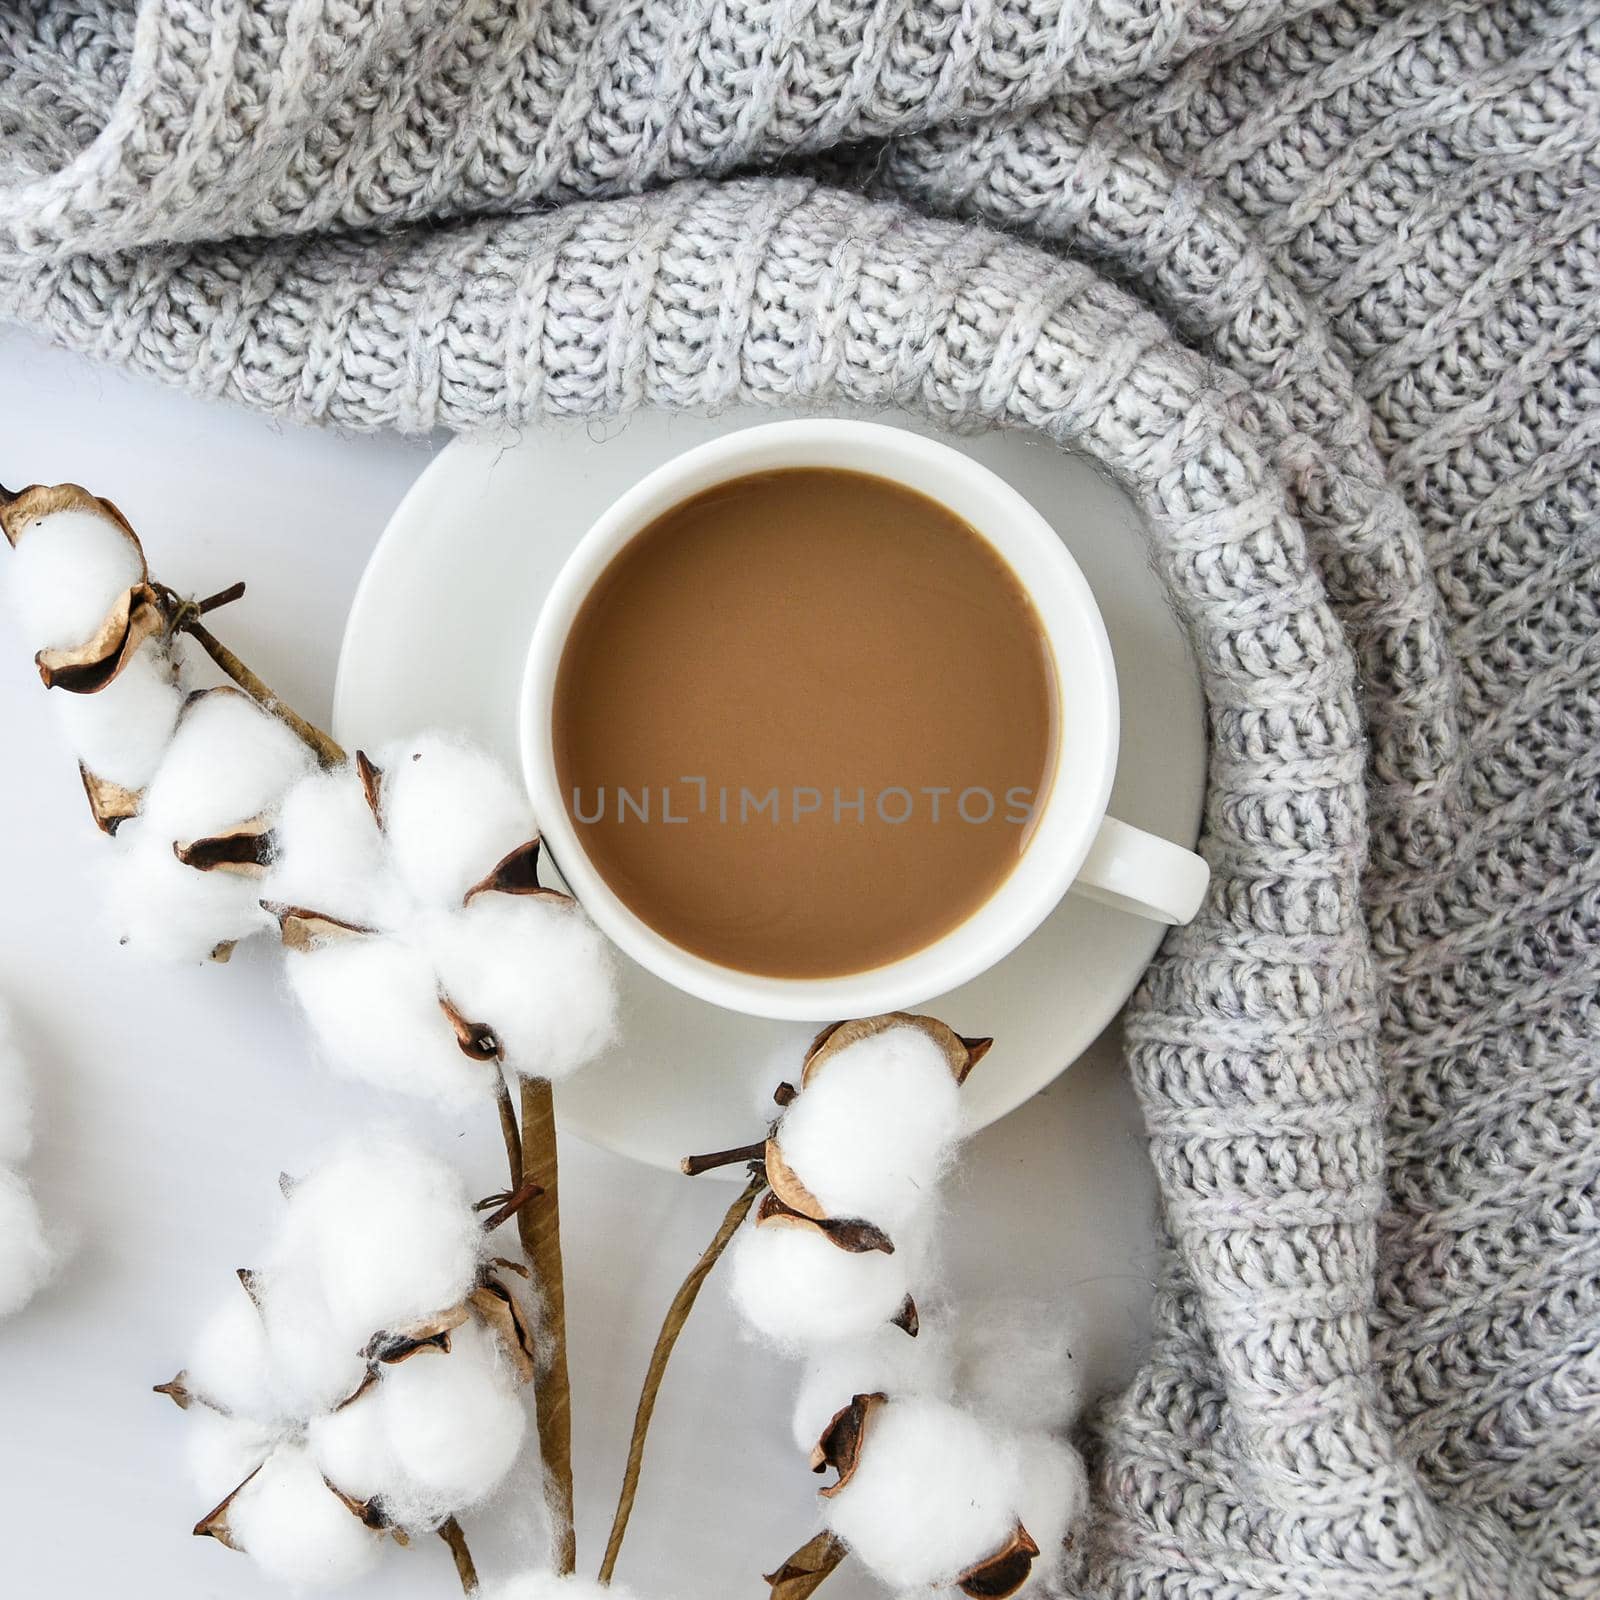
802 722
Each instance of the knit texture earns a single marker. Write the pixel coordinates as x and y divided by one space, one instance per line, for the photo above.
1322 289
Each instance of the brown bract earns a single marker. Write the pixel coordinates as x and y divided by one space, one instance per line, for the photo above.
516 873
843 1439
18 511
848 1233
803 1573
1004 1572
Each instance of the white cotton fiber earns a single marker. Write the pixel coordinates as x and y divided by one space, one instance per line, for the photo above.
547 1586
451 813
121 732
1052 1498
329 855
872 1133
223 1451
797 1287
1014 1364
66 573
454 1426
351 1446
885 1361
388 1231
229 1366
229 762
538 972
934 1492
373 1003
16 1096
296 1529
26 1257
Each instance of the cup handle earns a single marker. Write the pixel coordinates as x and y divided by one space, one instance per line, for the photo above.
1131 870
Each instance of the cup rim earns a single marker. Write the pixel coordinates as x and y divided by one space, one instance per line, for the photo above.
1085 683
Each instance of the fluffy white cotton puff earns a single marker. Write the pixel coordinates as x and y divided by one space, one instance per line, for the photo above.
373 1004
871 1135
26 1257
538 972
547 1586
229 1365
229 762
122 731
296 1529
435 1435
451 814
1051 1501
66 573
223 1451
329 855
934 1492
1014 1364
389 1233
797 1287
884 1362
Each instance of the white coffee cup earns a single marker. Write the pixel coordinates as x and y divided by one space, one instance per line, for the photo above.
1074 844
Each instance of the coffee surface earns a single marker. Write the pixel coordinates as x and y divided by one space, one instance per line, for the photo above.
802 721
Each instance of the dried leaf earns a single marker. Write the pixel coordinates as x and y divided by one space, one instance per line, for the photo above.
476 1039
109 803
498 1309
848 1233
803 1573
244 851
962 1054
1004 1572
841 1441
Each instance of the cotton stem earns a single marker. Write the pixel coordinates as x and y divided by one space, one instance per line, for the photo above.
671 1327
465 1569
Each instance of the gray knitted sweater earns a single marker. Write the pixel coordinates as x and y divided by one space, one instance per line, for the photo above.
1322 288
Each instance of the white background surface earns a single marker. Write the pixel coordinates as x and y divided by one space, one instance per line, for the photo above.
169 1101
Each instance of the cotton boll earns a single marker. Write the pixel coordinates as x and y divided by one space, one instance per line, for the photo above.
451 814
296 1529
165 911
871 1135
230 1366
1015 1365
351 1446
223 1451
122 732
373 1004
454 1426
229 762
797 1287
26 1257
537 972
884 1362
934 1492
66 573
1052 1498
16 1096
390 1233
329 855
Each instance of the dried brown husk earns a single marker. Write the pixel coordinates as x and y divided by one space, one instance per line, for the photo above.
135 617
214 1524
499 1312
476 1040
18 511
516 873
843 1439
371 776
245 851
300 928
848 1233
961 1053
110 804
1003 1573
803 1573
390 1346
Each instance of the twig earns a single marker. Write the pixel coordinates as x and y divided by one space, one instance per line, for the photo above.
326 751
693 1166
671 1327
453 1536
807 1569
513 1203
539 1224
508 1128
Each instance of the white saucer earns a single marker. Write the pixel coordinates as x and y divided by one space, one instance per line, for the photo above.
437 636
